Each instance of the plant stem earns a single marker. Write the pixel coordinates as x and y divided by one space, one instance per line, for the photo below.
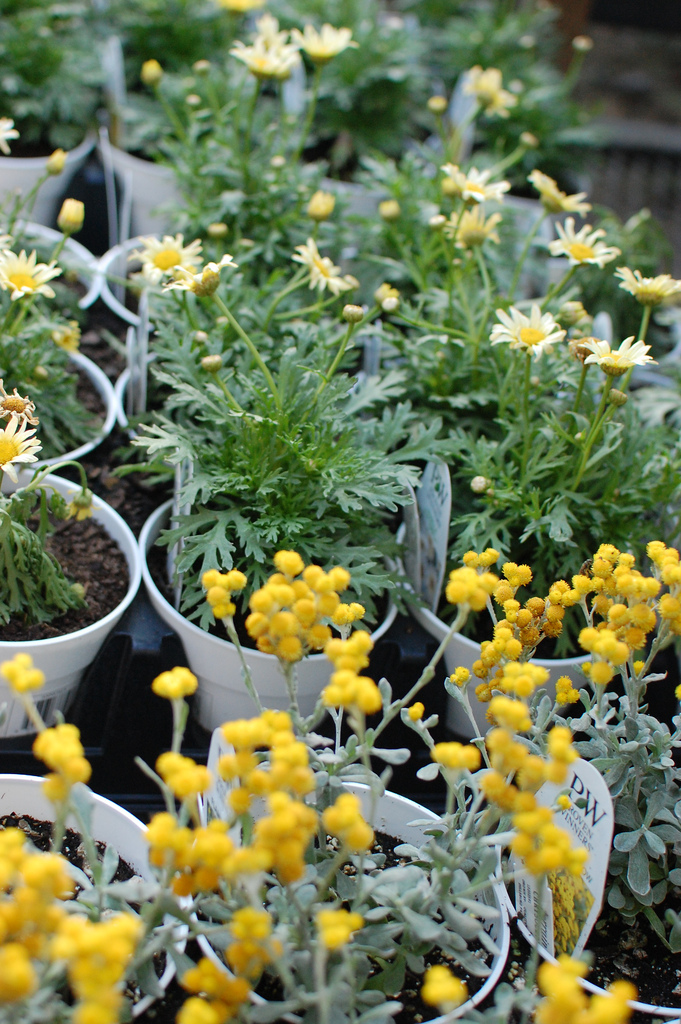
556 288
580 387
248 679
251 348
249 131
294 284
593 433
311 108
523 255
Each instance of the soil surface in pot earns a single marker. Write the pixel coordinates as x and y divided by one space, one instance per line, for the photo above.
88 555
637 955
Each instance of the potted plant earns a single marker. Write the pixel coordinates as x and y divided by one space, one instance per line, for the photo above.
59 620
269 885
629 617
49 96
549 446
306 455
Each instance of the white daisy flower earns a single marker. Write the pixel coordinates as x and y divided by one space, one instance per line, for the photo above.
534 333
584 246
322 46
485 85
22 275
553 199
473 186
617 361
271 54
323 273
7 131
161 257
203 283
649 291
17 445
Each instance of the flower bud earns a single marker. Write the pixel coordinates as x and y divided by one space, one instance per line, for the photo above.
389 209
353 314
437 104
390 304
321 205
192 100
151 73
480 484
211 364
200 337
437 221
71 216
201 67
529 140
56 161
582 44
617 398
40 373
278 161
217 229
387 294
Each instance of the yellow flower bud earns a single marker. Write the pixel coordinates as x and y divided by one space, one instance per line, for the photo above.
71 216
151 73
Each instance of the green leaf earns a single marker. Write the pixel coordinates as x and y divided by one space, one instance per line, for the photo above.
638 872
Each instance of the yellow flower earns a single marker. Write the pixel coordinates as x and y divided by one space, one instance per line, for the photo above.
485 85
555 201
387 297
17 445
389 209
511 714
344 820
322 46
17 975
615 362
456 756
416 711
240 6
534 333
202 284
67 336
55 162
472 186
21 675
323 273
81 506
649 291
177 683
21 275
7 131
442 989
583 246
336 927
162 257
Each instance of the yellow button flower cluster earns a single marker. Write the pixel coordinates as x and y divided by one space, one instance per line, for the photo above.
344 820
219 587
335 928
61 750
290 613
183 775
216 996
97 954
285 834
21 675
175 684
443 989
196 858
253 947
468 587
565 691
287 768
566 1002
347 688
456 756
543 846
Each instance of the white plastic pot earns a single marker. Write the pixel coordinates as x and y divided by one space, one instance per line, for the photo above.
105 388
74 257
393 815
144 187
64 658
21 173
110 824
222 695
462 652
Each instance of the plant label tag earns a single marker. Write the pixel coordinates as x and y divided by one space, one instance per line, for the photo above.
570 905
215 799
434 497
412 540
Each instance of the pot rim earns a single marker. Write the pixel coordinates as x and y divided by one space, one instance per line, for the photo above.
132 557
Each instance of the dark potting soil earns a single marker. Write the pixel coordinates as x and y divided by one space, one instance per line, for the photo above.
40 835
89 556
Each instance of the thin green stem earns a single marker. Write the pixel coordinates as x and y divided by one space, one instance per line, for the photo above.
336 360
645 321
294 284
248 679
526 417
523 255
311 108
251 347
556 288
580 387
171 114
246 152
593 433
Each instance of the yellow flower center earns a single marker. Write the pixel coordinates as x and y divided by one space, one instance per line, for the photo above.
9 449
322 267
167 258
580 252
20 280
531 335
13 404
476 190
